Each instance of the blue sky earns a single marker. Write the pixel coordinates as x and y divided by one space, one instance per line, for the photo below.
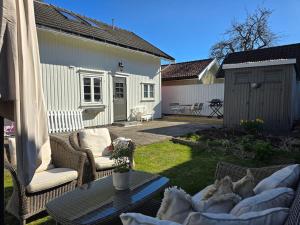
186 29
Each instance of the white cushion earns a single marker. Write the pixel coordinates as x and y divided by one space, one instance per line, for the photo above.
140 219
278 197
51 178
176 205
286 177
97 140
244 187
199 196
12 151
104 162
218 203
275 216
45 155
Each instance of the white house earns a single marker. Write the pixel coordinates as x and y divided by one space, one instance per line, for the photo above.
100 69
187 84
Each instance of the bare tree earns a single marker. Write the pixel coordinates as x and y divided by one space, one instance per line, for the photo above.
253 33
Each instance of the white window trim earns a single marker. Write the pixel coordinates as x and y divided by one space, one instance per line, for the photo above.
149 98
89 74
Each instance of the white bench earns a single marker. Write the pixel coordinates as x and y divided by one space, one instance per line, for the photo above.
64 121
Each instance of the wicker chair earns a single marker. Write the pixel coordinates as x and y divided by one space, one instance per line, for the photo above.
23 204
90 170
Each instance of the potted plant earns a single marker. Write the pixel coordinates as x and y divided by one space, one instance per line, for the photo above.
122 154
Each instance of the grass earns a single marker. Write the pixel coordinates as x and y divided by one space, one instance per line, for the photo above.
190 169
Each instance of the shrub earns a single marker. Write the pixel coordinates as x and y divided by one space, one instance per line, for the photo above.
252 126
263 150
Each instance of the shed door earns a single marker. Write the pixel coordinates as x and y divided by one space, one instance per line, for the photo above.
266 101
120 99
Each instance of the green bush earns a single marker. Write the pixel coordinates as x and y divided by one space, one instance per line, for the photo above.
263 150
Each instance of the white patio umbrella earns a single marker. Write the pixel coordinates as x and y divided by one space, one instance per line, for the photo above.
21 96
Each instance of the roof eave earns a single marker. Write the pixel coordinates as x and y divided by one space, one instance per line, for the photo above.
258 64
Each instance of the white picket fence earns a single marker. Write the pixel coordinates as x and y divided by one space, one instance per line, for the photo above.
190 94
65 121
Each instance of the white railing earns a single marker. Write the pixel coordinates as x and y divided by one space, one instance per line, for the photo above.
64 121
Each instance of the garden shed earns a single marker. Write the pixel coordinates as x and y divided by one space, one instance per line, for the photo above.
263 84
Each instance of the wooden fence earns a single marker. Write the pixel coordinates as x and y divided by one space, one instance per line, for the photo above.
190 94
65 121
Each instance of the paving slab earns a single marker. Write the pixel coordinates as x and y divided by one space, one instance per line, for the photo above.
159 130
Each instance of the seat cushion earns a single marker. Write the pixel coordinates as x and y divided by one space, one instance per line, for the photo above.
275 216
278 197
104 162
51 178
96 140
286 177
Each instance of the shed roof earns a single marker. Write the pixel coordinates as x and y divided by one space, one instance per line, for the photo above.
291 51
184 70
53 17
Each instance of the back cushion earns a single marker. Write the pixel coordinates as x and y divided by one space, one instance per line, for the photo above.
45 156
278 197
12 151
97 140
286 177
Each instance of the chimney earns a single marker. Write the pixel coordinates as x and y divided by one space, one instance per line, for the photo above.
113 23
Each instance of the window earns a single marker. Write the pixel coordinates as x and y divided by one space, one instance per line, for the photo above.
72 17
91 89
148 91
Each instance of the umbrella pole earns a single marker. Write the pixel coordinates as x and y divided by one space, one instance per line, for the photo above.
2 169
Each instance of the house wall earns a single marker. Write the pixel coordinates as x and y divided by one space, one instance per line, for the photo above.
188 95
272 101
63 55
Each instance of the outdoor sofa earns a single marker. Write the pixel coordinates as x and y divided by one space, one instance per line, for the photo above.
27 201
235 172
95 167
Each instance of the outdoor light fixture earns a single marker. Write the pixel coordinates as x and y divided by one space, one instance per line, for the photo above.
121 65
255 85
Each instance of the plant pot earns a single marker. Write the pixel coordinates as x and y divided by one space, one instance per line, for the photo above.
121 181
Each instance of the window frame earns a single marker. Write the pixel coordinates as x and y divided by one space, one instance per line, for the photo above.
92 78
148 91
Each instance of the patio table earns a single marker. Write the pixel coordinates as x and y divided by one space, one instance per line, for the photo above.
98 202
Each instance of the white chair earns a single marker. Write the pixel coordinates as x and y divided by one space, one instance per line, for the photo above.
140 113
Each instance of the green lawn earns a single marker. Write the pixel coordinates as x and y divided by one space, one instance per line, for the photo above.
188 168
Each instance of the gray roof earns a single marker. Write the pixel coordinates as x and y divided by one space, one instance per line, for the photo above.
291 51
50 16
184 70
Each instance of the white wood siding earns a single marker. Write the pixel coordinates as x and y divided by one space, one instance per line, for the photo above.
62 57
190 94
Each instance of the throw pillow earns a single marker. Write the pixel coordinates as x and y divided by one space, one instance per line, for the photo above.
223 186
218 203
199 196
244 187
140 219
275 216
96 140
286 177
278 197
176 205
